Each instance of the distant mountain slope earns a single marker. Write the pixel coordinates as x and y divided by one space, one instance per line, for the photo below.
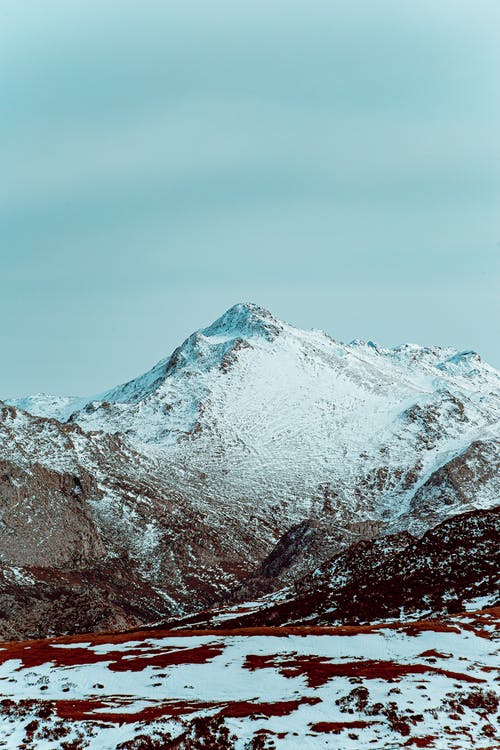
186 477
259 408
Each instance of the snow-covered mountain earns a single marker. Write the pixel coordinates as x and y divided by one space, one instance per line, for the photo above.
252 406
184 479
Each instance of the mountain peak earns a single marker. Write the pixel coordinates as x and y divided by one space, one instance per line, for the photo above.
209 346
244 320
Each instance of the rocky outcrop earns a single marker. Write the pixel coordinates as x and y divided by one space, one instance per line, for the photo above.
459 481
397 576
298 551
45 517
38 601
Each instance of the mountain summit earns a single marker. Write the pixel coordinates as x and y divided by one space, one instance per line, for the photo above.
245 320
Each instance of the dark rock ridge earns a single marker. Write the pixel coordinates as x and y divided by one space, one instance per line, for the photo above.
391 577
458 560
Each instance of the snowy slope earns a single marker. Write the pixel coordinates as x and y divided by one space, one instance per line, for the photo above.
423 684
281 412
46 405
258 407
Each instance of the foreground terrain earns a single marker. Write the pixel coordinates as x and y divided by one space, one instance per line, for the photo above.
427 683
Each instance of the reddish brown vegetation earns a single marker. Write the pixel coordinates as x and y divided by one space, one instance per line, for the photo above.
336 727
427 741
165 658
270 733
240 709
424 626
319 670
480 621
484 701
81 710
433 654
35 653
202 733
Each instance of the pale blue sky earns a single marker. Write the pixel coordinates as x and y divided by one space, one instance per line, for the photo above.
336 162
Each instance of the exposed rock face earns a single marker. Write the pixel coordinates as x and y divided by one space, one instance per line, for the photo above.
36 601
162 495
45 517
473 471
299 551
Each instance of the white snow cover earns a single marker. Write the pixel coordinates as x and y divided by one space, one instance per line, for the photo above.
254 407
296 685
